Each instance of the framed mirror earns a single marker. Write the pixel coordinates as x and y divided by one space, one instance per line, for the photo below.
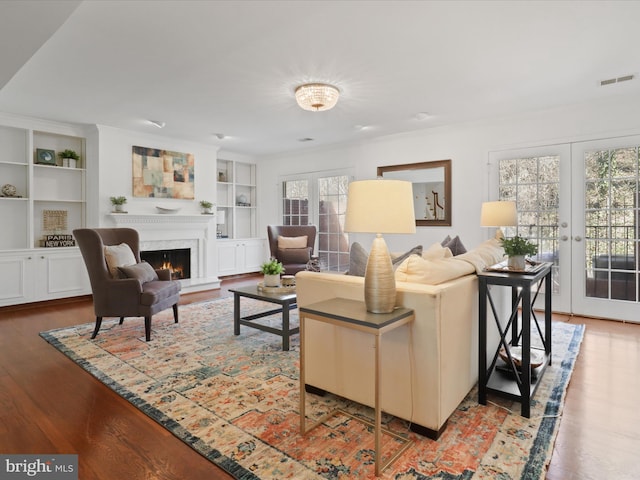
431 189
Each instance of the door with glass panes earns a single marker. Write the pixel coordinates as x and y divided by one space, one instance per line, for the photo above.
579 202
605 243
320 199
534 178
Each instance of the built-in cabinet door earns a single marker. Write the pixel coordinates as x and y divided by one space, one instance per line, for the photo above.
227 257
61 275
240 256
41 275
16 281
254 254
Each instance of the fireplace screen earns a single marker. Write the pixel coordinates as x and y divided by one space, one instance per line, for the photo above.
178 261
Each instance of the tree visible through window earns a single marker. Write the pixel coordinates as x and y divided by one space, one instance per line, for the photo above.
533 184
320 199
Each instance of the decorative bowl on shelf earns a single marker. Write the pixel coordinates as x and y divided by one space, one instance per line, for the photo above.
536 357
167 210
9 190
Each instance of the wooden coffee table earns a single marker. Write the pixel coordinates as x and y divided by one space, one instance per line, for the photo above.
287 301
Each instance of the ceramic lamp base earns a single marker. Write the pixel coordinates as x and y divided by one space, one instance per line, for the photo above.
379 279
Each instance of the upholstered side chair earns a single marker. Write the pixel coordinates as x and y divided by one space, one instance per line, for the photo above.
121 284
294 257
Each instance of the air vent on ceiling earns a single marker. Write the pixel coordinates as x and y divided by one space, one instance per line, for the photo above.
611 81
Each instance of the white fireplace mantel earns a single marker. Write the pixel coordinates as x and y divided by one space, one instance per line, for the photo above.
194 231
122 219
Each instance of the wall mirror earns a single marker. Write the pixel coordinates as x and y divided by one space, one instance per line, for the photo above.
431 189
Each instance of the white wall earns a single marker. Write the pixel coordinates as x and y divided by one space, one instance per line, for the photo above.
115 172
468 147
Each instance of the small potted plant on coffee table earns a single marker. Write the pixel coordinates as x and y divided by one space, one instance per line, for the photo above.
517 248
118 203
272 270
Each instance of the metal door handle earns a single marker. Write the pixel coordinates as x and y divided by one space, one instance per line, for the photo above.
564 238
577 238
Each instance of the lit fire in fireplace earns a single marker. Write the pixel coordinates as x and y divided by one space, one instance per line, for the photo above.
177 261
176 272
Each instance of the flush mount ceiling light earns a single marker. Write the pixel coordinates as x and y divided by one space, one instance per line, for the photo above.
157 123
317 97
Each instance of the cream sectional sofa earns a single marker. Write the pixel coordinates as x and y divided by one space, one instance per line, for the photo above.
429 365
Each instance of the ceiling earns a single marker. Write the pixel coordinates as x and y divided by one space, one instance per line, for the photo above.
230 67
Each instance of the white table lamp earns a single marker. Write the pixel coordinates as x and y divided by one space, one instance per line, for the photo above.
220 220
380 206
499 214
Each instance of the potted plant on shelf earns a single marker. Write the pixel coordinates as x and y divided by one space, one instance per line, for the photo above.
69 158
517 248
117 203
206 207
272 270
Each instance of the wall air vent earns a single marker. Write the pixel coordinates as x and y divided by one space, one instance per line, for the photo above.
611 81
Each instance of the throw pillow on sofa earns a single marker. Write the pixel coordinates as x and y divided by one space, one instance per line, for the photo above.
484 255
456 246
436 251
358 257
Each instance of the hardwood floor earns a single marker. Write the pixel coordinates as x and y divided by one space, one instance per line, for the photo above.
50 405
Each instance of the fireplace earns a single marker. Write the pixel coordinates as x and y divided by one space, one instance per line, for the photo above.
195 233
177 260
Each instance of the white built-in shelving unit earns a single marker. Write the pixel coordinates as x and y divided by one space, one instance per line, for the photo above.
32 272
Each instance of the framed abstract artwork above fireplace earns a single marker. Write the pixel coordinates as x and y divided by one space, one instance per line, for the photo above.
162 173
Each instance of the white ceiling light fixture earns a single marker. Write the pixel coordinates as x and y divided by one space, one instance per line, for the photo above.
317 97
157 123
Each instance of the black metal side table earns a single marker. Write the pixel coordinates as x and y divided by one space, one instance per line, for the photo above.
511 377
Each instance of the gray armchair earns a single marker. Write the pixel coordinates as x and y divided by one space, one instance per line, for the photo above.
293 259
138 296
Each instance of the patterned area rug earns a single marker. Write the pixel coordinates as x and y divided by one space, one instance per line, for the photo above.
235 401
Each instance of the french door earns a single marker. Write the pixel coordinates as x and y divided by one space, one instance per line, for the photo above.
320 198
580 203
535 179
606 231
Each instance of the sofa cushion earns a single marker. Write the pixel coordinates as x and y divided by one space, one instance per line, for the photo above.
484 255
143 272
118 256
416 269
292 242
358 257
